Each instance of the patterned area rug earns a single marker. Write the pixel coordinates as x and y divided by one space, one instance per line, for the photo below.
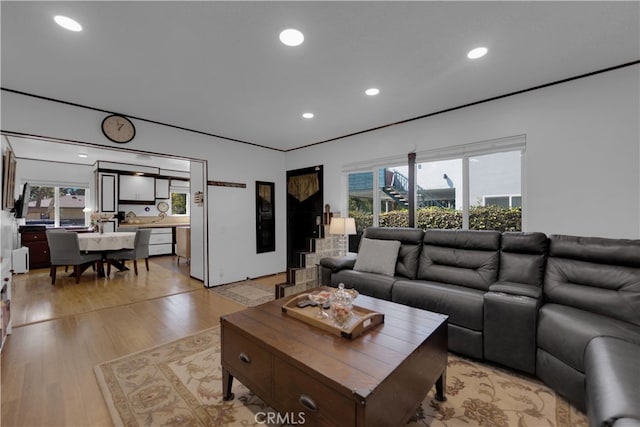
246 293
179 384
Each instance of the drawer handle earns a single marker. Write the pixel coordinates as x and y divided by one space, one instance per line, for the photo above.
308 403
244 358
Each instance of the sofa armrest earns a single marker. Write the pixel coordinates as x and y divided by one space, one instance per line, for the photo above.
516 289
337 263
510 328
611 380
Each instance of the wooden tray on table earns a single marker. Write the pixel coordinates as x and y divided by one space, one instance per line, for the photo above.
362 319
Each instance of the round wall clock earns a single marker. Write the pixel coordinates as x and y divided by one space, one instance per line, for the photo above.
163 207
118 128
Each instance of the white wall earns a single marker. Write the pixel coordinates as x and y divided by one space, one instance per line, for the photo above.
232 223
8 239
582 157
231 235
8 228
198 266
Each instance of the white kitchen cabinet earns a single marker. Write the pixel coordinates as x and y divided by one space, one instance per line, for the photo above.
107 192
137 188
161 241
162 188
182 183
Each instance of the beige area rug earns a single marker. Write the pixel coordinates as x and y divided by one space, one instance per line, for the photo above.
246 293
179 384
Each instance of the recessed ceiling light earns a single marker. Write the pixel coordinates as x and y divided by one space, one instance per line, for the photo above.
308 115
476 53
291 37
67 23
83 155
372 91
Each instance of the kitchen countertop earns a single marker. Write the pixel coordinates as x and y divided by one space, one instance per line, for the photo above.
153 225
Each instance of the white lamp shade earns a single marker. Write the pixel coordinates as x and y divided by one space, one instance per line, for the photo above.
336 226
342 226
350 226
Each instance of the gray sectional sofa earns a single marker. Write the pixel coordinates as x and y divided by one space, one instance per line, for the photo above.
563 308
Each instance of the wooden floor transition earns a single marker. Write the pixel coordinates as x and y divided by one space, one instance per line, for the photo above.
61 332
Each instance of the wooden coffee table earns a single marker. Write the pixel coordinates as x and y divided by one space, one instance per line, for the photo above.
377 379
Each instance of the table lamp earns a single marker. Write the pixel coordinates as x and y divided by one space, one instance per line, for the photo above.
342 227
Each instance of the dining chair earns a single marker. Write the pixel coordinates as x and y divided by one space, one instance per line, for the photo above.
56 230
139 251
65 250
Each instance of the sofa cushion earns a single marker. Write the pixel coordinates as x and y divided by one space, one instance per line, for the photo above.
465 258
377 256
595 274
565 332
410 244
371 284
462 305
612 371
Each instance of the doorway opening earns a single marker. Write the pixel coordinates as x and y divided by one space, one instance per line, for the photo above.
305 203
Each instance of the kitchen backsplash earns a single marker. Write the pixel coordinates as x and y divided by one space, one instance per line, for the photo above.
144 210
145 214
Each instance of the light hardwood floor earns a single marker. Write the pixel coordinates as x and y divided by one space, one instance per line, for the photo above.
47 363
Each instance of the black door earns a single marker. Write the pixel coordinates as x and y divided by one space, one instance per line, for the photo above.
304 211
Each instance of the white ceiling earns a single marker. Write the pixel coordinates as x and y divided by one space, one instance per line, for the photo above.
39 149
219 68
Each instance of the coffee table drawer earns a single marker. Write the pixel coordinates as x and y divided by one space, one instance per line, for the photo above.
248 362
298 392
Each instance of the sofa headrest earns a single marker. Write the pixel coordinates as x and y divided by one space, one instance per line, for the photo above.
595 274
525 243
464 239
623 252
523 258
403 234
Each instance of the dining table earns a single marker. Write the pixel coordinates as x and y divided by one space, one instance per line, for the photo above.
107 242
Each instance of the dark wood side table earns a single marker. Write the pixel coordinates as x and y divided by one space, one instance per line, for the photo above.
35 239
